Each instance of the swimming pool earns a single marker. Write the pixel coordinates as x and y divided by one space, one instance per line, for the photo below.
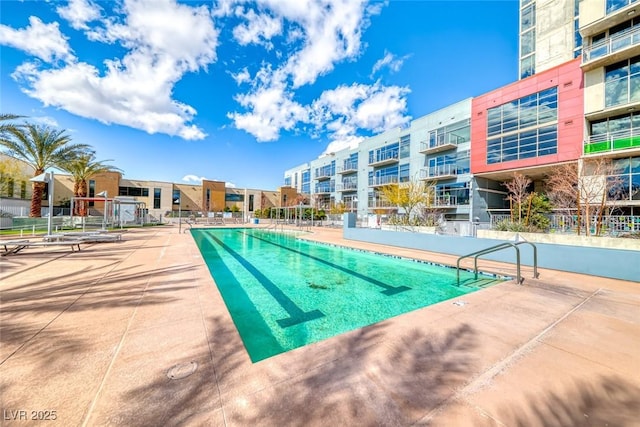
283 292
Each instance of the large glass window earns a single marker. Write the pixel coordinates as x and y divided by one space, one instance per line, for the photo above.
524 128
175 197
326 170
622 82
455 133
628 178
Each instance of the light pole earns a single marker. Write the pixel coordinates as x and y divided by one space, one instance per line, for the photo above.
104 219
49 179
179 201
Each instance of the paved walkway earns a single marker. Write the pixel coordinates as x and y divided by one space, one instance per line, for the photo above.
91 338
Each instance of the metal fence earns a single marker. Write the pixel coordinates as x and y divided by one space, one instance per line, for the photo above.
611 224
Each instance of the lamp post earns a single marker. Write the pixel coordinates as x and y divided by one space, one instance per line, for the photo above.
49 179
179 201
104 219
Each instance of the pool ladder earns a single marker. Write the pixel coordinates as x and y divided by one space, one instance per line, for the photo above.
496 248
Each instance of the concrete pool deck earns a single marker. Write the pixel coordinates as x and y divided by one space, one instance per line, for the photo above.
93 335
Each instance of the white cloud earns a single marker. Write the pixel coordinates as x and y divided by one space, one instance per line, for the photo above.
44 41
164 41
229 185
342 144
45 120
193 178
79 13
320 33
348 110
259 29
241 76
389 60
271 109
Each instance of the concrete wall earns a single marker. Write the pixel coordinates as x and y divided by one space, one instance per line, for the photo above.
617 264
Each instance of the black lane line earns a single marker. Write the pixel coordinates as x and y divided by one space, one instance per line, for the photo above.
297 315
388 289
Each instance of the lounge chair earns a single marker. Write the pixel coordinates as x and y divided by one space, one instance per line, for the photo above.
14 246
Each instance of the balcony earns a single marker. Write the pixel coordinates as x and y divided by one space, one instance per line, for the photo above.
348 167
612 49
347 186
325 189
610 142
383 180
446 201
384 158
323 175
439 172
448 141
380 204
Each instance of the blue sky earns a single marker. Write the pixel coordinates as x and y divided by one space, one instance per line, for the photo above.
241 91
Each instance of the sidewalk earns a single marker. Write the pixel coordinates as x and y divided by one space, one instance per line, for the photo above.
97 335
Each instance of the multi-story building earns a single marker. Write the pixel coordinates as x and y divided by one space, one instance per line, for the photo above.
611 66
433 149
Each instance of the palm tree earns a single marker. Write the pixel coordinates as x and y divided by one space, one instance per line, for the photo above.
7 128
41 147
82 167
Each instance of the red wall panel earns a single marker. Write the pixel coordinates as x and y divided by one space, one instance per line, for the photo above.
568 78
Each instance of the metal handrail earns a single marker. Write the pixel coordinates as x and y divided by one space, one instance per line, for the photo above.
498 248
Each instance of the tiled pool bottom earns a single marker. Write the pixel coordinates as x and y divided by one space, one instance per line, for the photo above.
284 293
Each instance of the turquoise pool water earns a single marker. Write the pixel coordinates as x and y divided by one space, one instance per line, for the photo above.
284 293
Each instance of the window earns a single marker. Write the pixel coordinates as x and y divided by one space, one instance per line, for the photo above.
306 181
233 197
23 189
403 174
527 38
456 133
622 82
92 191
133 191
287 181
405 143
524 128
156 198
250 202
628 179
613 5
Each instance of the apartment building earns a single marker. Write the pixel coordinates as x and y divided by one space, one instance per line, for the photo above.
433 149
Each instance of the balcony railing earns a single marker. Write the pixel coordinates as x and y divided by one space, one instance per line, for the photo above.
380 204
444 201
384 158
614 141
323 189
611 45
439 172
348 167
347 186
447 141
323 174
383 180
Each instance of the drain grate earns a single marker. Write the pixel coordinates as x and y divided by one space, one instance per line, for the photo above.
182 370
